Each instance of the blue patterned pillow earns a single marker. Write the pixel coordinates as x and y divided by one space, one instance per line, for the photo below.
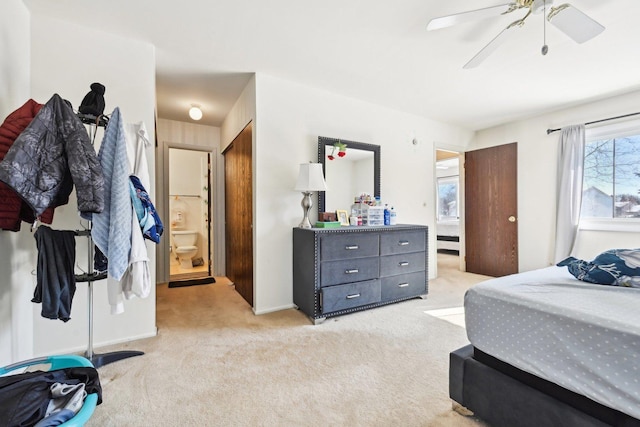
606 268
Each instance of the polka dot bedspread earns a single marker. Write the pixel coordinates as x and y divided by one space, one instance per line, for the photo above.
584 337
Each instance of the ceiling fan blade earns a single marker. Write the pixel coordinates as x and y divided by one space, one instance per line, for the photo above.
574 23
493 45
487 12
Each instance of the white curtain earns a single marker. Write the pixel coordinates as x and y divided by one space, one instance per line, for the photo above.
569 196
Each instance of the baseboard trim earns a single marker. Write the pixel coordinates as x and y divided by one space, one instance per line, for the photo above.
273 309
97 346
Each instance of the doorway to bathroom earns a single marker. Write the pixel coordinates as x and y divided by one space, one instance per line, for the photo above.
190 183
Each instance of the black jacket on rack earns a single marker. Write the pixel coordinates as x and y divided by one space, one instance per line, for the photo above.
51 155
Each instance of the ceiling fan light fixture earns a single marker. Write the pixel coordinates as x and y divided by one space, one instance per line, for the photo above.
195 112
539 6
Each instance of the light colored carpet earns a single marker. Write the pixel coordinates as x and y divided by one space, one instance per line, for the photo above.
453 315
214 363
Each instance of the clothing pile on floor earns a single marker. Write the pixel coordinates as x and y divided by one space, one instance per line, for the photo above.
46 398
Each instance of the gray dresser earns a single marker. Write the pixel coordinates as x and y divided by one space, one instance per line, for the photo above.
342 270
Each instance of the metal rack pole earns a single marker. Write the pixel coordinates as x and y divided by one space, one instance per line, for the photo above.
89 352
98 360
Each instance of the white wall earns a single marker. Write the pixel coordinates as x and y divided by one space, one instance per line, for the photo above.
68 70
16 324
290 117
14 56
537 154
186 167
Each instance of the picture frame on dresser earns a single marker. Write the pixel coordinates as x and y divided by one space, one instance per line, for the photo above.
343 217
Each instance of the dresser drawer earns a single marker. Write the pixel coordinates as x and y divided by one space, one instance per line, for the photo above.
404 285
400 264
349 270
348 246
402 242
341 297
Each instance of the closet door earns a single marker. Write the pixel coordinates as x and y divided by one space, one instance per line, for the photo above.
239 213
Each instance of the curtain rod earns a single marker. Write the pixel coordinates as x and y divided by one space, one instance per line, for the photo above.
549 131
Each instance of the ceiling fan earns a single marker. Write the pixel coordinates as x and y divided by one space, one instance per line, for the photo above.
567 18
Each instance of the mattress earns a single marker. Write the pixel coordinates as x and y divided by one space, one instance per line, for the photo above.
581 336
448 235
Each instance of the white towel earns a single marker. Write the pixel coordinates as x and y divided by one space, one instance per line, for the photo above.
111 230
137 278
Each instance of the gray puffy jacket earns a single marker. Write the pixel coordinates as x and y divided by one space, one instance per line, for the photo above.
51 155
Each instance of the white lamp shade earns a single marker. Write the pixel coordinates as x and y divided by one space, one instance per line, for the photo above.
310 178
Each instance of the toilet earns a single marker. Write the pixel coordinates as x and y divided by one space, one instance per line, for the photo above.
185 246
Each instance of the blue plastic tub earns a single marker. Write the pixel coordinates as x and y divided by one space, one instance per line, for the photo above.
62 362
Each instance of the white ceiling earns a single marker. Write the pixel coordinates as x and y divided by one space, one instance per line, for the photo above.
374 50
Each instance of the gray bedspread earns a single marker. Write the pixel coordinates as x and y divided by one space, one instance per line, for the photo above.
581 336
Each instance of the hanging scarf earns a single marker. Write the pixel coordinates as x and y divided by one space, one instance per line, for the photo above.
148 218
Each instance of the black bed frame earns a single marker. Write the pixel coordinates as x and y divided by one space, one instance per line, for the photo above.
505 396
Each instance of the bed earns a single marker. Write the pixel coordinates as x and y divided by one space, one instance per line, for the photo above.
448 236
547 349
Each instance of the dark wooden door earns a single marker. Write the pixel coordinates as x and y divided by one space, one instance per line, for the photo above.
491 210
208 222
239 213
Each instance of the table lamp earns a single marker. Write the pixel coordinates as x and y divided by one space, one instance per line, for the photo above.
310 179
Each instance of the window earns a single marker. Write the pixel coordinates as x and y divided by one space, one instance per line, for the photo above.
448 198
611 184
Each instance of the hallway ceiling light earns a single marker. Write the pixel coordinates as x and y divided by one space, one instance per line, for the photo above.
195 112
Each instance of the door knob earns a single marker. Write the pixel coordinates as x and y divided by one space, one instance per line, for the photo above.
512 218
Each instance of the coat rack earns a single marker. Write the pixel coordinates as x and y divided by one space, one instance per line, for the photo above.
91 276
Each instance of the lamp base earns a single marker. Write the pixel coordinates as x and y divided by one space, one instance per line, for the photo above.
306 204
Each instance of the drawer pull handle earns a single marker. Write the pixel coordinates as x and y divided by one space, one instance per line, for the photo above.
351 247
403 243
403 264
352 271
353 296
403 285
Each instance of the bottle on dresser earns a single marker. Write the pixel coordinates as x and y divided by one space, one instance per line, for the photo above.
393 220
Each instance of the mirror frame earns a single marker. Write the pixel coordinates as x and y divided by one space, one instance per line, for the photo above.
324 141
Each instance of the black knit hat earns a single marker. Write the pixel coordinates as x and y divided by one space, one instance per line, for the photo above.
93 102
